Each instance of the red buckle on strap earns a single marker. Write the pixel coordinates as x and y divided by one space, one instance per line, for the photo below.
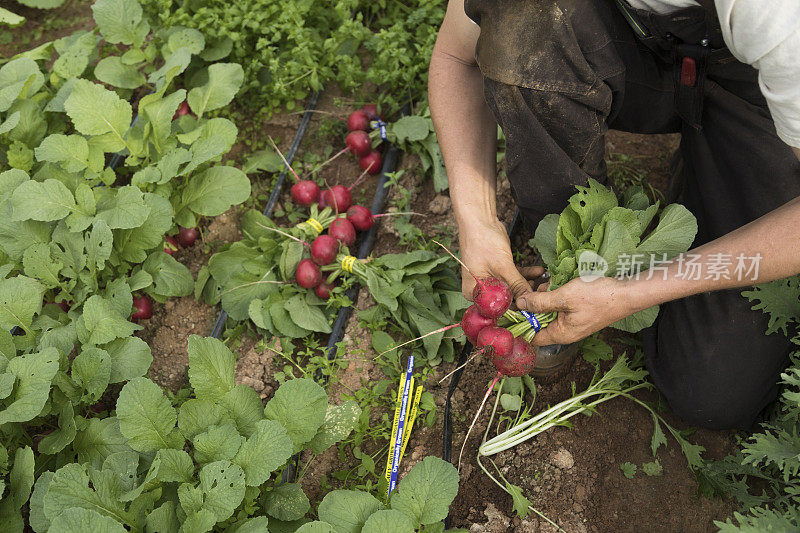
688 72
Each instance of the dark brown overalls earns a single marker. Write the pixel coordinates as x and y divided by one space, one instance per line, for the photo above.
559 73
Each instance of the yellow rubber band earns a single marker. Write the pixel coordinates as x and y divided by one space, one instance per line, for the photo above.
347 263
314 223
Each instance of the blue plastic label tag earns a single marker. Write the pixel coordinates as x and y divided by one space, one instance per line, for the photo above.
531 318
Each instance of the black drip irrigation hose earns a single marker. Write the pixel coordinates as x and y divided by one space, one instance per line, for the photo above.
219 325
447 426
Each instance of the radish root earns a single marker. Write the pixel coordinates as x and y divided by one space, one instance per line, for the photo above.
474 420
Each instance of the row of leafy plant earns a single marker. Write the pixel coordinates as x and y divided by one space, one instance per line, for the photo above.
289 49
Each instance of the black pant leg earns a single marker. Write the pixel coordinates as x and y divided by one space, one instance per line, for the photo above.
709 354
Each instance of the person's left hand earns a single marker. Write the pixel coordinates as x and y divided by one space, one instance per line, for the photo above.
584 307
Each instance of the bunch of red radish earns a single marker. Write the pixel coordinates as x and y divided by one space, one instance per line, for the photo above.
359 123
325 247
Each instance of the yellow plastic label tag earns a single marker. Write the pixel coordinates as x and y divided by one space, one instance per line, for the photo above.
314 223
347 263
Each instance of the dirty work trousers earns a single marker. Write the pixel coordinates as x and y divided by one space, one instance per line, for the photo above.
559 73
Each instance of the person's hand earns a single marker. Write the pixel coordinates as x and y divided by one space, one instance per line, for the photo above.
584 307
486 251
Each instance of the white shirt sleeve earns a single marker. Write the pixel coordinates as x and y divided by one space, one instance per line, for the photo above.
766 35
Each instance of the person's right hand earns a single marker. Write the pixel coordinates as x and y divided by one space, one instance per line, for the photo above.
486 251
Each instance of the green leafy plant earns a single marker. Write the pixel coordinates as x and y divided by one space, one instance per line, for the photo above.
208 462
292 48
770 456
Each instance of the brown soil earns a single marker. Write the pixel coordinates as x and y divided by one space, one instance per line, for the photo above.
43 25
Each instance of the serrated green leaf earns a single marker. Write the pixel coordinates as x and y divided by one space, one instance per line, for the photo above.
520 502
224 81
73 54
211 368
300 405
339 422
130 358
19 78
348 510
34 374
120 21
265 451
104 323
97 111
38 521
243 405
170 277
628 469
214 191
652 469
100 438
217 444
45 201
306 316
78 520
223 485
64 435
287 502
146 417
39 264
388 520
195 416
20 300
427 491
126 209
70 488
113 71
91 369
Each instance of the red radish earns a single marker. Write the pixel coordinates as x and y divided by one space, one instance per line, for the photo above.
359 143
358 120
473 323
338 197
324 249
305 192
519 361
323 290
372 111
323 201
371 163
63 305
183 110
143 308
187 236
360 217
308 275
499 340
492 296
343 231
171 245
